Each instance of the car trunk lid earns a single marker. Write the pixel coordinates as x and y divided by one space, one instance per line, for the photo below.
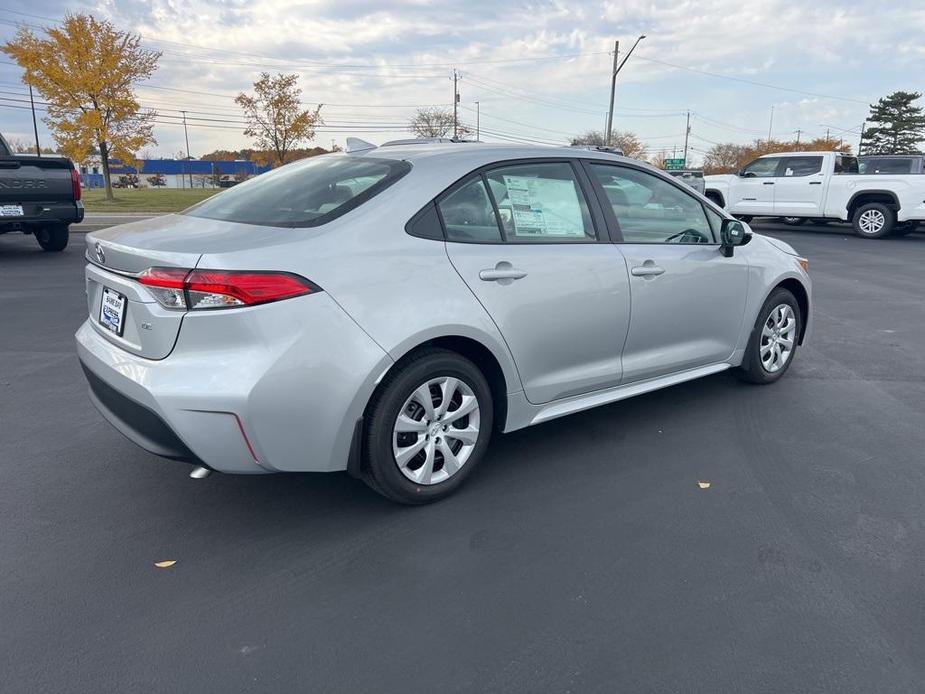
118 255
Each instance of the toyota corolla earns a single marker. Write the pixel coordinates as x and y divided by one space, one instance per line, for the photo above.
385 311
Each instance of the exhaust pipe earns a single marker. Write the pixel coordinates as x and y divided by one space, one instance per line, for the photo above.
200 473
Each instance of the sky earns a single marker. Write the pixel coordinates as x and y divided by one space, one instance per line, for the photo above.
538 69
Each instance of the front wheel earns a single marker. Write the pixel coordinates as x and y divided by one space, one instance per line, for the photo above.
52 237
774 339
873 220
793 221
428 428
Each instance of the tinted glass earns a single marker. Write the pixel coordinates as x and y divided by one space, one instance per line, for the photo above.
802 166
761 168
541 203
650 209
886 166
306 193
468 214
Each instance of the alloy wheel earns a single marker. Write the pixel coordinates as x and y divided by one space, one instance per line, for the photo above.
436 430
777 338
872 221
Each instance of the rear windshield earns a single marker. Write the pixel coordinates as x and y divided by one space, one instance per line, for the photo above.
306 193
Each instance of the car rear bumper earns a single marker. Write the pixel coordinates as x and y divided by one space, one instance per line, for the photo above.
37 214
273 388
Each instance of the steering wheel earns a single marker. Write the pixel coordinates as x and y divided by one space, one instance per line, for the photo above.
693 236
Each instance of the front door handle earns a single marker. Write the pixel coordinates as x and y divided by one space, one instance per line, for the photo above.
647 269
503 273
815 183
768 183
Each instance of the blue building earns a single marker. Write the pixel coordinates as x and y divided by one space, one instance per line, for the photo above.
175 173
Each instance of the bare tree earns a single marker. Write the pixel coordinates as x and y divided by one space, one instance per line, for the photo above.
435 122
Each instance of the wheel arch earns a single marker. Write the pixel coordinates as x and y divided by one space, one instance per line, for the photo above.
863 197
715 196
800 293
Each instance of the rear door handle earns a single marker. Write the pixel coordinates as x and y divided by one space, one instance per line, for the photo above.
768 183
815 183
647 269
503 272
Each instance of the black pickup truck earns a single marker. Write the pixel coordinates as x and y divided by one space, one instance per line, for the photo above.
39 195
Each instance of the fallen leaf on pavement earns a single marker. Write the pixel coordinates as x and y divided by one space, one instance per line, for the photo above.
703 485
165 564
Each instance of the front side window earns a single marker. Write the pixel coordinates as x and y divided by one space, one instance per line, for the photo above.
802 166
305 193
650 209
541 203
761 168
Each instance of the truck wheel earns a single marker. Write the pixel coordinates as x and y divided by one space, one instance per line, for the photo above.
793 221
873 220
52 237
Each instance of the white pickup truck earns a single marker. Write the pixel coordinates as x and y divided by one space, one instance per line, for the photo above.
800 186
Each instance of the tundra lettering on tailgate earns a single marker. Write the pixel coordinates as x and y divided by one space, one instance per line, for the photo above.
21 183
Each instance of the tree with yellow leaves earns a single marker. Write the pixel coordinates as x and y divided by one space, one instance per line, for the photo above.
275 117
86 70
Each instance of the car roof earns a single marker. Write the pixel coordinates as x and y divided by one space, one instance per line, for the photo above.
475 154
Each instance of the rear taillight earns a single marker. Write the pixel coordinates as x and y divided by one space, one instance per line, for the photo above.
180 288
75 184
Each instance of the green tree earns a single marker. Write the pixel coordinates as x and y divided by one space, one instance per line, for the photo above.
895 125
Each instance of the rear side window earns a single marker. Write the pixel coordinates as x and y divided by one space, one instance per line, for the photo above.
307 193
802 166
468 214
886 166
541 203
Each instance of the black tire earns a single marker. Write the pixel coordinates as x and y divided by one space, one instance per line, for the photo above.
752 370
52 237
793 221
905 228
379 467
885 214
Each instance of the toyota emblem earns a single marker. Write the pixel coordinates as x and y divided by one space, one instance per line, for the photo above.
100 255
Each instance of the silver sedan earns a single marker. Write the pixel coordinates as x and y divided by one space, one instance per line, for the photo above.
385 311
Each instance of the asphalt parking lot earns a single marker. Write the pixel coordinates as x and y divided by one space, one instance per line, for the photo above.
584 556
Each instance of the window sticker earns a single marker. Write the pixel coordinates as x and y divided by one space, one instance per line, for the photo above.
544 206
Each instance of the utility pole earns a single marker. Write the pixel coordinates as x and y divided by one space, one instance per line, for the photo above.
861 141
186 135
613 82
455 105
478 109
687 132
770 125
35 127
798 132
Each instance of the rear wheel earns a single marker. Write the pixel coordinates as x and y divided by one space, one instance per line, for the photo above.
774 339
793 221
428 428
873 220
52 237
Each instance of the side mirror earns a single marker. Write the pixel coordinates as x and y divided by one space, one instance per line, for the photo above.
732 234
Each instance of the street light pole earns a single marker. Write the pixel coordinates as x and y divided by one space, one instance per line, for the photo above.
35 127
613 82
186 135
478 109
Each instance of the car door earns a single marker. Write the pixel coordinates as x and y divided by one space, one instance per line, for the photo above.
535 253
688 300
752 193
798 189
